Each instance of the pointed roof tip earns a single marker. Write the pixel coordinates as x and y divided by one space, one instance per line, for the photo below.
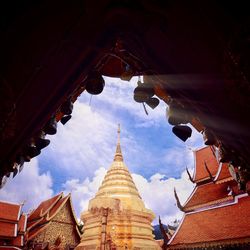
118 151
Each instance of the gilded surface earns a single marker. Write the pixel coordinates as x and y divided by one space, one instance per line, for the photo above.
127 224
63 226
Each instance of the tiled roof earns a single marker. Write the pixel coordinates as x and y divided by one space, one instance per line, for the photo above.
208 194
31 224
53 211
18 241
44 207
9 248
214 226
12 224
22 223
223 173
10 211
36 225
205 155
8 230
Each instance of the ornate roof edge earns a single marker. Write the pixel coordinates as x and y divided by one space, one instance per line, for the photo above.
177 230
60 196
33 225
234 201
44 226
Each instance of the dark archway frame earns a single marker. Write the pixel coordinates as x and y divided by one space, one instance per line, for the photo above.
196 55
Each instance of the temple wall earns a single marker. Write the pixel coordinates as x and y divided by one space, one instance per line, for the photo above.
62 225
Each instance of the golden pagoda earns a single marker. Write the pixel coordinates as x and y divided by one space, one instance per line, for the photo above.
117 217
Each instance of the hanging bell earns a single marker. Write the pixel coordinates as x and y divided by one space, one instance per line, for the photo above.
67 107
32 151
153 102
65 119
95 83
208 137
51 127
42 143
182 131
143 92
176 114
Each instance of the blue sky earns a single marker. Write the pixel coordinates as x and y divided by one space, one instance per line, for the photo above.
83 149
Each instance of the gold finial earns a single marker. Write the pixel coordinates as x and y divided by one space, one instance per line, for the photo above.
119 132
119 128
118 152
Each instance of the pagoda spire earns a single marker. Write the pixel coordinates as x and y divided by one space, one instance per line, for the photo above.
118 152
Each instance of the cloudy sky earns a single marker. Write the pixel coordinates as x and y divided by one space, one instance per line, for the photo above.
81 152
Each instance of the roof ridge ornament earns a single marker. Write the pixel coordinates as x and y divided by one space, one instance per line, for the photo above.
178 203
208 171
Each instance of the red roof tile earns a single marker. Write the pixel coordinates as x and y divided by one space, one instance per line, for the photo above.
7 229
215 225
31 224
205 155
10 211
208 194
44 207
9 248
223 174
22 223
18 241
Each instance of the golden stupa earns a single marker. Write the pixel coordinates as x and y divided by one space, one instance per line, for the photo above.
116 217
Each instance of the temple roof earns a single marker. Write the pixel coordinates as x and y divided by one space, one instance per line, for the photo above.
223 174
208 194
41 217
7 229
205 156
10 211
44 207
222 224
12 223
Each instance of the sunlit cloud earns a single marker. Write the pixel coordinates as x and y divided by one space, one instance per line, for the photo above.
30 187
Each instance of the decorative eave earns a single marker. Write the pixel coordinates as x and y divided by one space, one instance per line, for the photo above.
207 205
50 217
178 203
34 223
238 238
203 245
42 212
43 227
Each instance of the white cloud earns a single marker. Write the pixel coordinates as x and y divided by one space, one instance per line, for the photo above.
29 187
85 143
157 193
82 192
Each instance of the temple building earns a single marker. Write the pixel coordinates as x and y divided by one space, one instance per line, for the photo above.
53 225
216 215
117 217
12 226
